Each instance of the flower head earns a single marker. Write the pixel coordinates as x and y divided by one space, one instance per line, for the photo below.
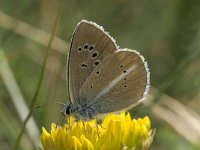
116 132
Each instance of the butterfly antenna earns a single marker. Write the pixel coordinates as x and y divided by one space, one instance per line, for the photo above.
40 106
61 103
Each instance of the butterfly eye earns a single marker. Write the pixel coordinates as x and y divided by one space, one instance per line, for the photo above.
68 111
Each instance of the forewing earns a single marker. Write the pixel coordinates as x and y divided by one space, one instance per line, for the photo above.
119 82
89 45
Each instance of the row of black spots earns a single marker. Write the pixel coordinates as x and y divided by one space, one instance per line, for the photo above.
84 65
124 71
121 66
94 55
89 47
97 72
125 78
86 47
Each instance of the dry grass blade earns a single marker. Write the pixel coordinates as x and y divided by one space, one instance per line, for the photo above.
30 32
185 121
40 78
17 98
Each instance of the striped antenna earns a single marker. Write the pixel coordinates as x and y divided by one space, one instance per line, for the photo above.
40 106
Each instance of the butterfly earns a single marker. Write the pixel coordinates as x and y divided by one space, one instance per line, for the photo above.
102 78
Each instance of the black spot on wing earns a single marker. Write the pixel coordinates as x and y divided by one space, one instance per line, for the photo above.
79 49
91 47
83 65
85 46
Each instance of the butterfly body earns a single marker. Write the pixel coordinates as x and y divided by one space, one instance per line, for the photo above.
103 78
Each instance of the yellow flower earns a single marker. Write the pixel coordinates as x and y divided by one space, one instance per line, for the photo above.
115 133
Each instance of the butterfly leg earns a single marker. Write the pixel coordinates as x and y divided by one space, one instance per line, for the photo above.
99 122
84 125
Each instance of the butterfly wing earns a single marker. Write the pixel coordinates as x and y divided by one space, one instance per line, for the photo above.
119 82
88 47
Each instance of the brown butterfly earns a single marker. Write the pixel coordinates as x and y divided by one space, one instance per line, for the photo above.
101 77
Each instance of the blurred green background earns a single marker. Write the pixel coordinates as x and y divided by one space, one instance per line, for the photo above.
166 32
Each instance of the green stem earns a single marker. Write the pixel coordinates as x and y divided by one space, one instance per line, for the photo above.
40 79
